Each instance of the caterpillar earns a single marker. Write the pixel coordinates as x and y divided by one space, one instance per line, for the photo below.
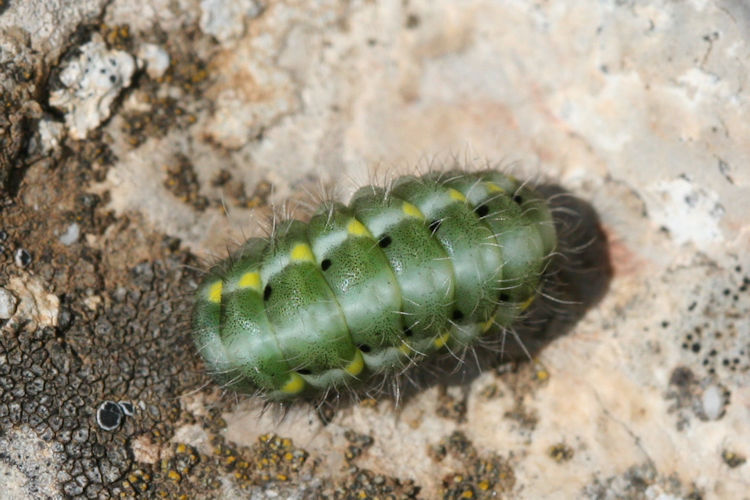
364 290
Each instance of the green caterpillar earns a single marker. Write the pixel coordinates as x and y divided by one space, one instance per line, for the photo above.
360 291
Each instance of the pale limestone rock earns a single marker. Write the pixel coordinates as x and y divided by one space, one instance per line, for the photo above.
155 58
49 23
71 234
8 303
225 19
639 108
35 303
50 134
91 83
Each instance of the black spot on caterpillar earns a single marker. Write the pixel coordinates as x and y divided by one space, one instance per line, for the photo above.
431 264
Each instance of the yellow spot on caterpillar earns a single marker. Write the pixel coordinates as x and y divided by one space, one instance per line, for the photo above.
494 188
456 195
356 228
294 385
250 280
214 293
302 252
355 367
441 340
405 349
411 210
487 325
527 302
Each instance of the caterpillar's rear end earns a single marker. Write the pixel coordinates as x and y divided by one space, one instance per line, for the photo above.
362 291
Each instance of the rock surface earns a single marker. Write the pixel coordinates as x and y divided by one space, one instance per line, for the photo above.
640 109
91 83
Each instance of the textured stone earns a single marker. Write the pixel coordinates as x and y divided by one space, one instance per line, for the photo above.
225 19
638 108
155 58
91 83
8 303
28 466
49 23
35 303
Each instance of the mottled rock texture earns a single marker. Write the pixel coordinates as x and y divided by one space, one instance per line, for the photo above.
639 108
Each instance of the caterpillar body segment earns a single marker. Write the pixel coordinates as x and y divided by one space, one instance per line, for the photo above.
365 289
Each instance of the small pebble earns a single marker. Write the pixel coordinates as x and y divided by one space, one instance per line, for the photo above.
8 303
156 59
71 235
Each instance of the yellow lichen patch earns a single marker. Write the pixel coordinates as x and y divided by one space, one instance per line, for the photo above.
494 188
411 210
302 252
356 228
441 340
250 280
456 195
527 302
368 403
294 385
214 292
357 364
